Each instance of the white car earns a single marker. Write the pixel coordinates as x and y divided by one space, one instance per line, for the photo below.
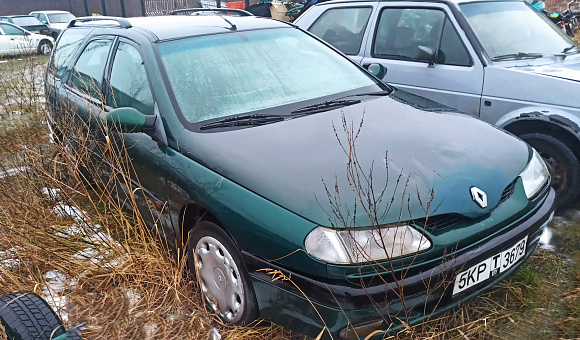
55 20
16 40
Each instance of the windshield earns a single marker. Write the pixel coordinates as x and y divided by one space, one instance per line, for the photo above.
26 21
228 74
513 27
56 18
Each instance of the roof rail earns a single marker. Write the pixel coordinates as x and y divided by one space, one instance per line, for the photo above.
197 11
123 23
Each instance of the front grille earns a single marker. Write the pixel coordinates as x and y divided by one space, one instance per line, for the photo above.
507 193
439 222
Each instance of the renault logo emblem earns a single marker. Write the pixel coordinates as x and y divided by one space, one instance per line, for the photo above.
479 196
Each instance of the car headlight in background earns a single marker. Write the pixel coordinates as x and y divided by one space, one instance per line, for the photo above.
360 245
535 175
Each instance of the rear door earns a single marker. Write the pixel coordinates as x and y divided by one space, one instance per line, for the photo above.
426 53
4 42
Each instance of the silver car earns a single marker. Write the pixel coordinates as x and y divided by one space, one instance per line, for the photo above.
55 20
501 61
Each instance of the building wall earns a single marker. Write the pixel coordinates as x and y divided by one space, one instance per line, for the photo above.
127 8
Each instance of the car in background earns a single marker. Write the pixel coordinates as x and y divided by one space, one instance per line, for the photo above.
28 22
240 132
501 61
15 40
55 20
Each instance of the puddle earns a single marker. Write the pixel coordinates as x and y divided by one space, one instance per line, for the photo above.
552 239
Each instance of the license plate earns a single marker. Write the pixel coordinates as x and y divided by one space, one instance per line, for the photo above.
490 267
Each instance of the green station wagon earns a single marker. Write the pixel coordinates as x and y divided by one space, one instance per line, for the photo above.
305 191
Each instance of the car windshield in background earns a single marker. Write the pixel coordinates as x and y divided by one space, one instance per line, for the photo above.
26 21
255 70
56 18
511 30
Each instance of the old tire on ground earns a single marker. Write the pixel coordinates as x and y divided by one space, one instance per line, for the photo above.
44 48
26 316
223 278
563 165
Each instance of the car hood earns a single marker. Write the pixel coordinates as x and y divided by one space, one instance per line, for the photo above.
425 161
59 25
545 81
568 71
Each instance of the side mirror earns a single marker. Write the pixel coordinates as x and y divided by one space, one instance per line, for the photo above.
27 33
128 119
426 54
44 22
377 70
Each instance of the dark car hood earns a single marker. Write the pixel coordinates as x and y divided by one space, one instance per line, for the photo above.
433 160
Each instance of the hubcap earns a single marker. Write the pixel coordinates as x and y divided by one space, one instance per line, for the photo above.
220 279
557 171
45 48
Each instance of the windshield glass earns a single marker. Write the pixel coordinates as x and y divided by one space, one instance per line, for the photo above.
26 21
228 74
56 18
513 27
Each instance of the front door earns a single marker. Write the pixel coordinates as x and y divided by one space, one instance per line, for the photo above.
426 54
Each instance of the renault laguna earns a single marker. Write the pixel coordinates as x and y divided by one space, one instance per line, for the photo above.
304 190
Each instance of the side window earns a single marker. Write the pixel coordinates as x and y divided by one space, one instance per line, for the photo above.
42 17
11 30
64 51
343 28
415 34
128 83
452 51
402 31
88 71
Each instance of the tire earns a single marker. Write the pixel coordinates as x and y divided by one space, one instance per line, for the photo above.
26 316
225 284
44 48
563 165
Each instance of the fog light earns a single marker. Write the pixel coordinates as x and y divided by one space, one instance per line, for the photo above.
360 330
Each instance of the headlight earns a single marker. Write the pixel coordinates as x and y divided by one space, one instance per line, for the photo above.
353 246
535 175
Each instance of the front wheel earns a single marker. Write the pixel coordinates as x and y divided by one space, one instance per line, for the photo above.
563 165
225 284
45 47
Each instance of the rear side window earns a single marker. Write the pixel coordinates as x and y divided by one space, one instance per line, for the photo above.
343 28
11 30
65 49
87 75
128 83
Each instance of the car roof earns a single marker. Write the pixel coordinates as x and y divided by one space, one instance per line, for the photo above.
17 16
49 12
176 26
426 1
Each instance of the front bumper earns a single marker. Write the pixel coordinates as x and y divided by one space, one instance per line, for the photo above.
308 305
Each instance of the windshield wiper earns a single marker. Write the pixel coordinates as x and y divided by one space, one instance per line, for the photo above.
378 93
567 49
519 55
325 106
245 120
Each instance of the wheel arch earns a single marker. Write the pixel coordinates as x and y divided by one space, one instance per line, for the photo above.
192 213
560 127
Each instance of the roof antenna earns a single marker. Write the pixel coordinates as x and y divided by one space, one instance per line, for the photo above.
233 28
